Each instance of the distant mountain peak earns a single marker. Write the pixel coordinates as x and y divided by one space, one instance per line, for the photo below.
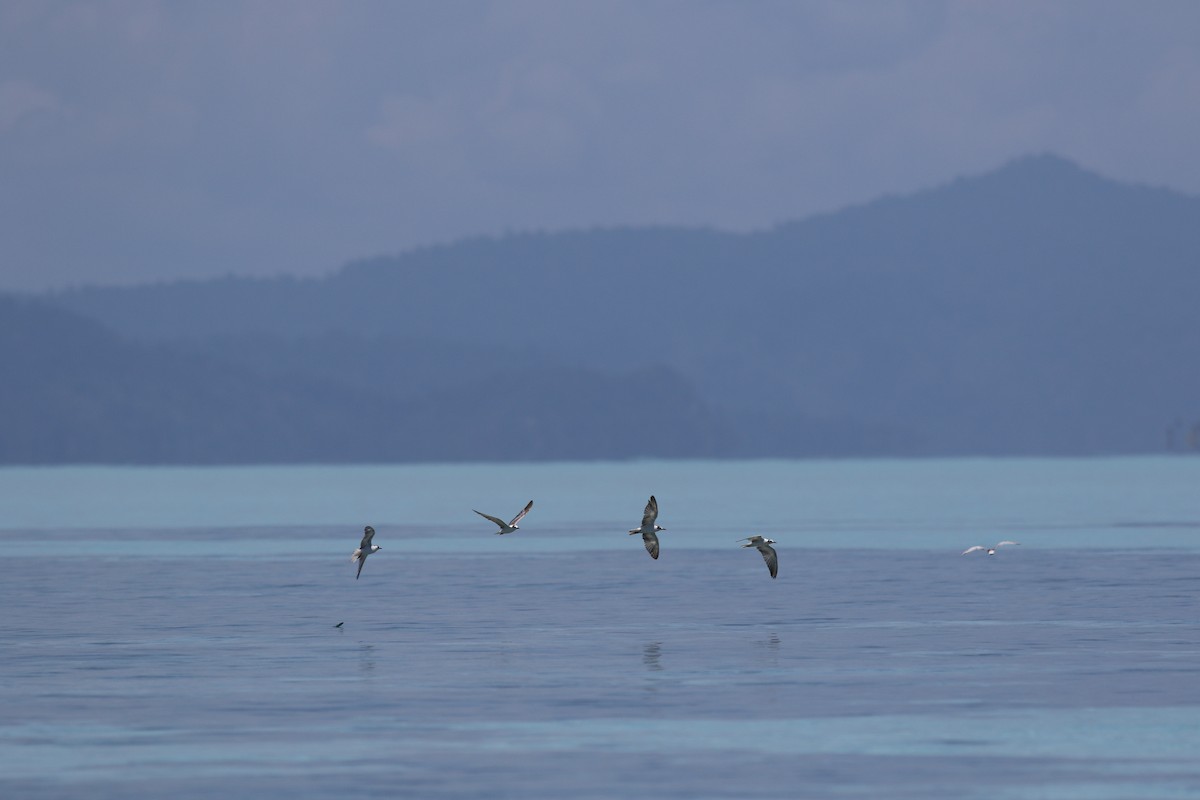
1042 163
1041 175
1042 170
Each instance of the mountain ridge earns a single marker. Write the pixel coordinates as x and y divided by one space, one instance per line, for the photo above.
1035 309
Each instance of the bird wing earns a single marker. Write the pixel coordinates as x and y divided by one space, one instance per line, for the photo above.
973 549
520 516
368 535
650 514
753 540
651 542
361 562
496 520
1006 541
769 556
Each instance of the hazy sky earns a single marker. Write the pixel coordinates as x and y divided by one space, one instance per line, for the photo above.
144 140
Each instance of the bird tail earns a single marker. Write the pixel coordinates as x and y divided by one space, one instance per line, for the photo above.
355 556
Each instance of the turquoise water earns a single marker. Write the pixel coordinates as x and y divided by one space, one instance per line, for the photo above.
170 632
1118 502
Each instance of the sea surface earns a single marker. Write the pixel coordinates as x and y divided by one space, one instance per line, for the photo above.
170 632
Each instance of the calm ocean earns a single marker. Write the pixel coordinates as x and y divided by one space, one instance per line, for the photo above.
170 632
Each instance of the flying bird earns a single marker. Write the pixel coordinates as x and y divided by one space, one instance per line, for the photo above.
365 548
649 529
991 551
507 527
768 553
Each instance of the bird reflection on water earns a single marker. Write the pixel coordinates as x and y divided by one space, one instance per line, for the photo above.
652 656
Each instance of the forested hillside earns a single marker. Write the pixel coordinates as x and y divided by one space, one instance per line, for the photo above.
1039 309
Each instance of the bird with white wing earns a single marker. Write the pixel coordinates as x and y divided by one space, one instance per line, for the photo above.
991 551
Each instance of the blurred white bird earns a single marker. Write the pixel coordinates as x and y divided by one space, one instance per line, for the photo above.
991 551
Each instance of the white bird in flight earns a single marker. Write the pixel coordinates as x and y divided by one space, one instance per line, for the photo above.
365 549
507 527
768 553
991 551
649 529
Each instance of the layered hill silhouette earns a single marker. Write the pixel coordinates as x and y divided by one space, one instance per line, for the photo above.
1038 309
78 393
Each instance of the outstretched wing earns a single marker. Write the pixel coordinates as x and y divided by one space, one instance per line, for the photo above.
651 542
768 554
368 535
361 562
520 516
650 514
496 520
973 549
1005 542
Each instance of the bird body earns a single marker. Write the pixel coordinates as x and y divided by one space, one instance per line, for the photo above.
649 529
365 549
507 527
991 551
763 545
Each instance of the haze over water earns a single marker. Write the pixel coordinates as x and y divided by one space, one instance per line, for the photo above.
170 632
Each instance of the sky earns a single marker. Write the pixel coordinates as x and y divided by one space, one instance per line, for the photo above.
148 140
